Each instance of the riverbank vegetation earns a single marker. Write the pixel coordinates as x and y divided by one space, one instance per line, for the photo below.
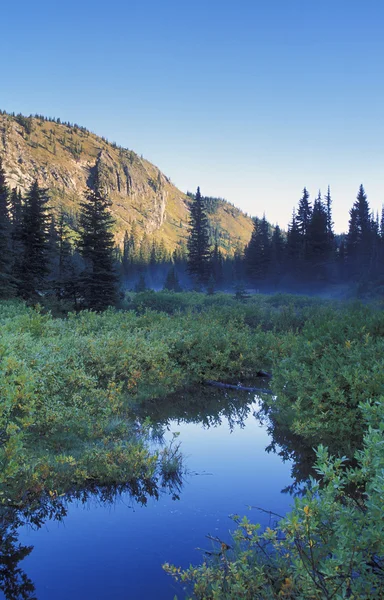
78 395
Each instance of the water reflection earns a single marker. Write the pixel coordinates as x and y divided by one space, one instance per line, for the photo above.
290 447
238 464
204 405
14 583
210 407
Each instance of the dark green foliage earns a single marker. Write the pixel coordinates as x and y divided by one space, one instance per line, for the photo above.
258 251
34 260
278 245
96 246
361 236
319 240
304 213
217 263
294 248
199 265
6 288
172 281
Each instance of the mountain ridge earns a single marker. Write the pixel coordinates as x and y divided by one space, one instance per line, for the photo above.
65 158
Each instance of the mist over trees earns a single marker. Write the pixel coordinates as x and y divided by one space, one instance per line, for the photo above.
72 258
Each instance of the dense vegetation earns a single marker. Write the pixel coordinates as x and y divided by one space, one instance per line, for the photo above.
76 393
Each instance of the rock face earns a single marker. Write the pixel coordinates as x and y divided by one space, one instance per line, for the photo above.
66 158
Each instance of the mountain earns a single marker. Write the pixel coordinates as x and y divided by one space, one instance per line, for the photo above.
65 157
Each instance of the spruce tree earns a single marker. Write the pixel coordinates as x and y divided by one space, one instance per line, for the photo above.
303 219
34 236
294 249
6 288
96 246
328 204
319 244
303 216
172 281
360 238
198 241
258 251
277 254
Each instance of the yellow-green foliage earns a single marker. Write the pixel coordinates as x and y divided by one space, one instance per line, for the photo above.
62 156
330 546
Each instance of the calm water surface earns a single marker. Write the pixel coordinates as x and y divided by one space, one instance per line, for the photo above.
115 550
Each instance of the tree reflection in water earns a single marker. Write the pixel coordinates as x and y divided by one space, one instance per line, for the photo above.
14 583
205 406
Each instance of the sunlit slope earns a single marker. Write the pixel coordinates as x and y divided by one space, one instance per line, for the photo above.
64 158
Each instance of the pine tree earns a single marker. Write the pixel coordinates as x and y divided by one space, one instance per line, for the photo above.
96 246
294 249
198 241
6 288
217 265
258 251
67 278
126 253
360 238
172 281
34 235
303 220
277 254
303 216
319 244
328 204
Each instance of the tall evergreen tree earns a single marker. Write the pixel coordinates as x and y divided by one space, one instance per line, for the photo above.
319 240
96 246
198 242
303 217
294 249
5 237
360 238
34 261
277 254
67 275
217 265
258 251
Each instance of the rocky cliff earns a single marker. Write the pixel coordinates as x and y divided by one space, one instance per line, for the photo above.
65 158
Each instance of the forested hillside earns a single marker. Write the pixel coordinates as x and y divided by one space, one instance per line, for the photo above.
66 157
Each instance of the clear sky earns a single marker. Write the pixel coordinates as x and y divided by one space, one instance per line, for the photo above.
251 100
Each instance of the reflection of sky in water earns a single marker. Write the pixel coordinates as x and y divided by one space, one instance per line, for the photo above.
116 552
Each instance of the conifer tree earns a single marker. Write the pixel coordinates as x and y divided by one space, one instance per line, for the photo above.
328 204
303 216
217 265
34 235
258 251
319 244
360 238
5 237
198 241
96 246
303 219
277 254
67 278
294 248
126 253
172 281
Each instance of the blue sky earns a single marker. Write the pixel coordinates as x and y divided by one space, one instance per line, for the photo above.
251 100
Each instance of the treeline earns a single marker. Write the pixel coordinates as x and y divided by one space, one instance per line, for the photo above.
42 257
308 255
72 257
311 253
